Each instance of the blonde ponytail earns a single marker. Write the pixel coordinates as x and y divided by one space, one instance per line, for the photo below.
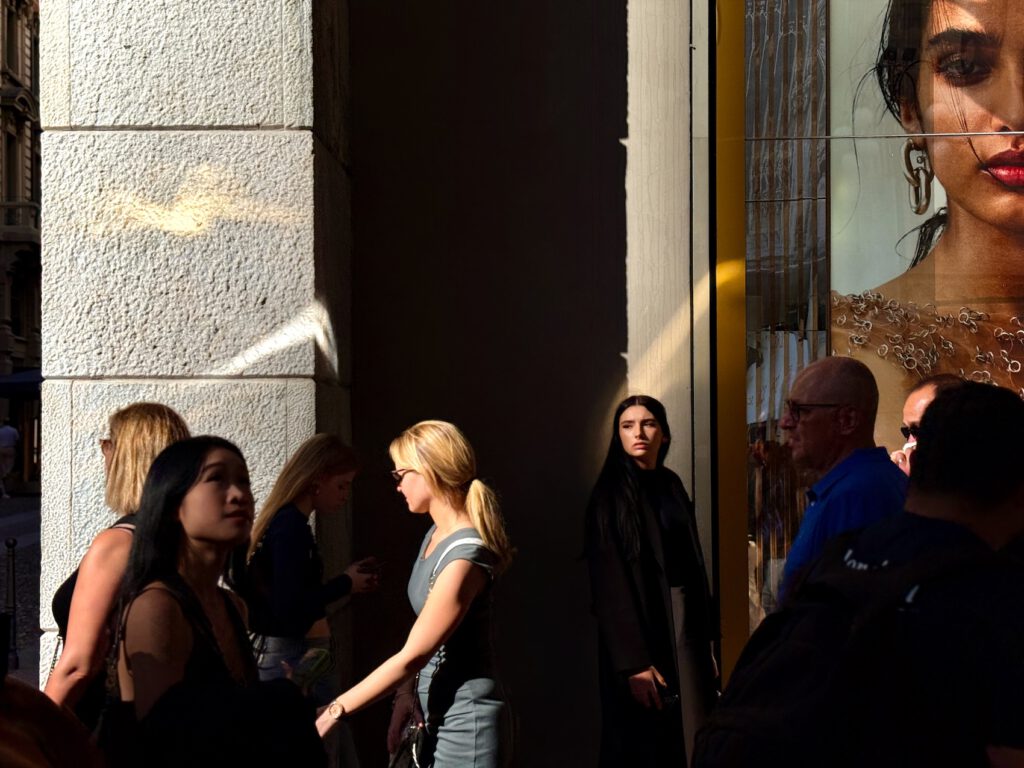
441 453
484 512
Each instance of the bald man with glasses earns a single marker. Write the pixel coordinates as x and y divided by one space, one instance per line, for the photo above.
829 423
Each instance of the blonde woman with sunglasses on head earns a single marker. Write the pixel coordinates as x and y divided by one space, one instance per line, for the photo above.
83 605
444 674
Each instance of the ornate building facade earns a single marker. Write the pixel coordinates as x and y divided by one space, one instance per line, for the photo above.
20 347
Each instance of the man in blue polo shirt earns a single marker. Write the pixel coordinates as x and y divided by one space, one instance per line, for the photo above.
829 421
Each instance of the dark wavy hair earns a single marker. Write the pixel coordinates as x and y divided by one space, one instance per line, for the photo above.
158 531
614 506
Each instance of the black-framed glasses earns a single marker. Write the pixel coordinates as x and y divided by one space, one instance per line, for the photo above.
909 431
398 474
796 409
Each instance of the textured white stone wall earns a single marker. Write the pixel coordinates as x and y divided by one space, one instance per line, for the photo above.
174 63
171 253
196 240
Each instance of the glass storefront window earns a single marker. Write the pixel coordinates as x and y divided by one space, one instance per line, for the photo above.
838 262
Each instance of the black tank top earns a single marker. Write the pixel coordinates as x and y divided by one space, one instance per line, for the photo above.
61 604
206 664
91 704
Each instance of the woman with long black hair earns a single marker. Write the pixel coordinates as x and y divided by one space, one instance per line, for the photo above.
186 669
650 596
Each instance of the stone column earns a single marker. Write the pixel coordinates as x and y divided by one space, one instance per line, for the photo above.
196 240
668 260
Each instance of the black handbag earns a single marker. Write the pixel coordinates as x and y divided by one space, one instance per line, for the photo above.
410 749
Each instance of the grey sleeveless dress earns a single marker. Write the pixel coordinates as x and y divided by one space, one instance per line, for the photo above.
460 698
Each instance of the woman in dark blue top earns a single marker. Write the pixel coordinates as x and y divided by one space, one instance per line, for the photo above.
286 592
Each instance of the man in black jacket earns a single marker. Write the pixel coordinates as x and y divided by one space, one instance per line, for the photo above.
901 645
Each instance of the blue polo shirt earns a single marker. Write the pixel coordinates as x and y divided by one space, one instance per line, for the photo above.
861 489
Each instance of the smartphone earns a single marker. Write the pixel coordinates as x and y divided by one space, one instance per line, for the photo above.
668 699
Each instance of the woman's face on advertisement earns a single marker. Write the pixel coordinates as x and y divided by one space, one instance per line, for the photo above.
971 80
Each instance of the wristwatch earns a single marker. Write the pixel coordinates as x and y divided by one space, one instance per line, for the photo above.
335 710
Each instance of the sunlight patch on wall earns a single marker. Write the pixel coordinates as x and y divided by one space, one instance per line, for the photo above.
207 196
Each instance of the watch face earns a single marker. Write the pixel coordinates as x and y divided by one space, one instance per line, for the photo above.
335 710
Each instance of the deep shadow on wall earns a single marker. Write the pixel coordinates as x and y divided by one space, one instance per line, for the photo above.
489 289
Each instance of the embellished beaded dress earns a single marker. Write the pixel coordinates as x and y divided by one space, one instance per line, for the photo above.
921 342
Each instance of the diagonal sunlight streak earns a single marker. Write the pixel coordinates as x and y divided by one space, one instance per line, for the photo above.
312 322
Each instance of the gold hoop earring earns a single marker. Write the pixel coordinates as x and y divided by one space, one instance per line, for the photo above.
918 173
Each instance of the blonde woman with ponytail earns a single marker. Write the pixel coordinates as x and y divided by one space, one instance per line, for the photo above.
444 674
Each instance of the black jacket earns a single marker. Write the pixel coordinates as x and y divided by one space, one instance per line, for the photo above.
632 603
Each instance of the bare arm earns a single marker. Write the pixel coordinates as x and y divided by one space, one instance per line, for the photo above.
449 600
88 640
157 644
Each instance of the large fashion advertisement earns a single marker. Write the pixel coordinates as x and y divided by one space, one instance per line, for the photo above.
884 217
935 116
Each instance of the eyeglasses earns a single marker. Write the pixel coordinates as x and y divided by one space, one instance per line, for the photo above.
796 409
911 430
399 474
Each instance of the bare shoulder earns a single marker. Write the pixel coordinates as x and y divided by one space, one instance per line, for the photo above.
111 542
156 608
108 554
461 577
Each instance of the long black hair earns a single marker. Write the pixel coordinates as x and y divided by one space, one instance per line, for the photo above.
158 531
614 507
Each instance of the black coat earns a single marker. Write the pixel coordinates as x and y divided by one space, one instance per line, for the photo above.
632 603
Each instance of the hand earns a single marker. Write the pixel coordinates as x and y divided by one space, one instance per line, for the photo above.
644 687
365 575
406 710
901 458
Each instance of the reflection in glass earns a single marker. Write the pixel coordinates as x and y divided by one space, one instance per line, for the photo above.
787 257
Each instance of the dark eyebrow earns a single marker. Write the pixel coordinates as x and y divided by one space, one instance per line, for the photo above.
212 465
956 37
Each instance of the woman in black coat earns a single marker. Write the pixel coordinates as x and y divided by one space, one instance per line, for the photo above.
650 597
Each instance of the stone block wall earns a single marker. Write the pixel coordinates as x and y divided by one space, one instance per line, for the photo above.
196 247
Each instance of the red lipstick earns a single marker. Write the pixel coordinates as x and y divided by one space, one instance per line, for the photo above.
1007 167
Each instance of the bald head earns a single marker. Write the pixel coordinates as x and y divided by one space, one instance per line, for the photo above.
845 381
830 414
